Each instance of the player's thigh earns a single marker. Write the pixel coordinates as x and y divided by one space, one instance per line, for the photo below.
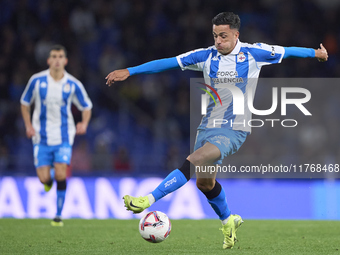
204 156
43 160
43 155
203 159
43 173
62 158
60 170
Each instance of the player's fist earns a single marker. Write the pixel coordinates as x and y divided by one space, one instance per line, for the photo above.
118 75
30 132
81 128
321 53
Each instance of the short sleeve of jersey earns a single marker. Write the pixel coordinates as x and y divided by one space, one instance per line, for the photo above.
265 54
80 98
27 96
193 60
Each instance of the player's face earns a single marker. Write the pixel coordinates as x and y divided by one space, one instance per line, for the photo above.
225 38
57 60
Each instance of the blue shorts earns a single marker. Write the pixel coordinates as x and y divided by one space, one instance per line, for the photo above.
228 141
45 155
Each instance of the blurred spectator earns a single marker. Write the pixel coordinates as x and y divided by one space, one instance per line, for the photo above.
82 21
42 49
4 158
111 59
102 156
81 157
173 158
3 85
121 162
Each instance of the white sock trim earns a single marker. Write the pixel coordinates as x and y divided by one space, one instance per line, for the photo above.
225 220
151 199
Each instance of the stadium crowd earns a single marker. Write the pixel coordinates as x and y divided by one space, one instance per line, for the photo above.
142 125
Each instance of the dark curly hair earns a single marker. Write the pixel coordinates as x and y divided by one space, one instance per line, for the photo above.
227 18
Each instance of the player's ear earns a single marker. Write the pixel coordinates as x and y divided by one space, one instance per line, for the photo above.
237 34
66 61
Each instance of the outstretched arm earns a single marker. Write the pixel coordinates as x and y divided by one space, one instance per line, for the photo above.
155 66
299 52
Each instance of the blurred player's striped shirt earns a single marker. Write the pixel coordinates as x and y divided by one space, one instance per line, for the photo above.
241 68
52 118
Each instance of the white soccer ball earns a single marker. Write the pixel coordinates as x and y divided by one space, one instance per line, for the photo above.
155 227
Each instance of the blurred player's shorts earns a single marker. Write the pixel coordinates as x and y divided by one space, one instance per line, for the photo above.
45 155
228 141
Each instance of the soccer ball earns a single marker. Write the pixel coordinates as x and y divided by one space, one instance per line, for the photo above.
155 227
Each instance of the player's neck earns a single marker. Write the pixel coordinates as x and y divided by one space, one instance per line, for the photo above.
57 75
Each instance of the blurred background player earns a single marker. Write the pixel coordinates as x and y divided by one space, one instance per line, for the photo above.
52 128
213 143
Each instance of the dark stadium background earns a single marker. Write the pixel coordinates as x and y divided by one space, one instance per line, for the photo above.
141 126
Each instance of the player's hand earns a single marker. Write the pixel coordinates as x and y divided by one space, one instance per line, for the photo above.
321 53
30 132
81 128
118 75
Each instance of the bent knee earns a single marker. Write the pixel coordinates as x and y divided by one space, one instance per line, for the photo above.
197 159
60 175
44 179
205 185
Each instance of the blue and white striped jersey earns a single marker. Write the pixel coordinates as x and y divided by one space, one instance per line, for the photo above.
240 68
52 117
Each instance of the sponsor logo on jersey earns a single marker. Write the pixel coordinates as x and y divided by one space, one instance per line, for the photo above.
227 73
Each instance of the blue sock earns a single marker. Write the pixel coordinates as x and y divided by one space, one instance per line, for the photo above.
220 206
172 182
60 201
61 191
218 201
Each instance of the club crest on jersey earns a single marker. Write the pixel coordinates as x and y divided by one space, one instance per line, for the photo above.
43 85
241 57
67 88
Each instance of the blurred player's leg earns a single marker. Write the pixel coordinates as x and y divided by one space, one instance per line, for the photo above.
44 175
60 176
43 159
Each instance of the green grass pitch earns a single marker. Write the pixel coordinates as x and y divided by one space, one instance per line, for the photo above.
30 236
